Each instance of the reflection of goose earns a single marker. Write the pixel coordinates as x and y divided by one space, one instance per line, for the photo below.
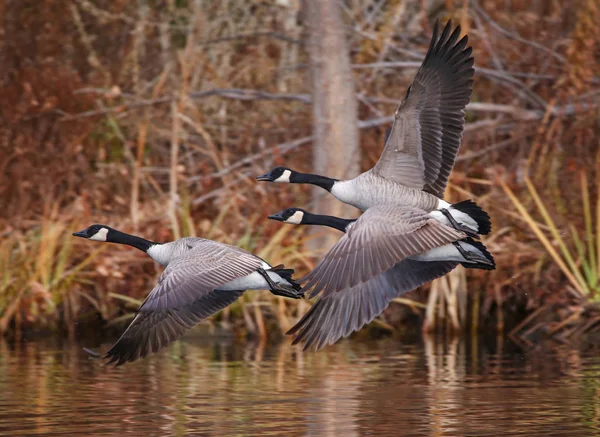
386 252
422 145
201 278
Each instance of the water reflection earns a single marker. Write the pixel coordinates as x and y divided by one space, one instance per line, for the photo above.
455 387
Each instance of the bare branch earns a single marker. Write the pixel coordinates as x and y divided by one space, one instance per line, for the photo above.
105 16
280 148
232 93
247 94
484 36
504 77
481 70
513 35
486 150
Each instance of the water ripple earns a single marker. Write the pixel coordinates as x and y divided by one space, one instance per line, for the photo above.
351 389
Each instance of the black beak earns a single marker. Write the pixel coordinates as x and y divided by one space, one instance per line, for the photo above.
81 234
265 178
278 217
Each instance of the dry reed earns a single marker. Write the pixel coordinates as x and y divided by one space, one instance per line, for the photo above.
155 119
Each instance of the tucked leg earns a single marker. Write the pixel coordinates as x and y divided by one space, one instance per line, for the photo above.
458 226
280 289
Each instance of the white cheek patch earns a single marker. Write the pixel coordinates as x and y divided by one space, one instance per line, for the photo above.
443 204
100 235
296 218
285 177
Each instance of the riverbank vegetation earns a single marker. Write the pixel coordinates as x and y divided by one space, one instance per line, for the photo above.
155 117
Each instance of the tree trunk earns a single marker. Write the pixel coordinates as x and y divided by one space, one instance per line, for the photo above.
335 109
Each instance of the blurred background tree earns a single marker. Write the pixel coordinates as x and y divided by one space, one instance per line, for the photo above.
336 150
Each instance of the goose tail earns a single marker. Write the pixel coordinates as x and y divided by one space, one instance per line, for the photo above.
475 212
287 275
478 255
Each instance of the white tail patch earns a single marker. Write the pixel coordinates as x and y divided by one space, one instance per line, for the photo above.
443 204
464 219
459 216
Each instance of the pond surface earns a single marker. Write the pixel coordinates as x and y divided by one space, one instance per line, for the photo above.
220 388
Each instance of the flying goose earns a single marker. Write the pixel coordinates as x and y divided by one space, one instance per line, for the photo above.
421 148
201 278
389 250
348 310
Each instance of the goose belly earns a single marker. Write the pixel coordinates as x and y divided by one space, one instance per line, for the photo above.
449 252
443 253
253 281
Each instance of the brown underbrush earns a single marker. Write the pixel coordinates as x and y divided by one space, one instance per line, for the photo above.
154 118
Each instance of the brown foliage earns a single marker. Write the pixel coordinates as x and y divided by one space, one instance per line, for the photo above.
86 121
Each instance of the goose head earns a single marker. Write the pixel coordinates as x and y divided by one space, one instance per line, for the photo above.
297 216
290 215
278 174
96 233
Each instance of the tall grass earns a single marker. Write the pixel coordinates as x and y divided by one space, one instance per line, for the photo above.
158 115
578 259
42 277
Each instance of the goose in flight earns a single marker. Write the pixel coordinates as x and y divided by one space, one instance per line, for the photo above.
421 148
386 252
201 278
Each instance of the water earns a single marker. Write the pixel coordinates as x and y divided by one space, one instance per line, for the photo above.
386 387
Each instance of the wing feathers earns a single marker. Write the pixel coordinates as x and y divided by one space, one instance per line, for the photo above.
151 331
383 236
427 130
338 315
197 273
185 294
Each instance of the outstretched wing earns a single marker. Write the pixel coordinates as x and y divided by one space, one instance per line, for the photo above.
341 313
427 130
150 331
187 292
382 236
197 273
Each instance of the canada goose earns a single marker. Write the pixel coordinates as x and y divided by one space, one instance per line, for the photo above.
201 278
338 314
420 150
346 311
383 236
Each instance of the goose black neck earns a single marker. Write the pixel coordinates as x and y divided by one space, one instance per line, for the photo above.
327 220
119 237
313 179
